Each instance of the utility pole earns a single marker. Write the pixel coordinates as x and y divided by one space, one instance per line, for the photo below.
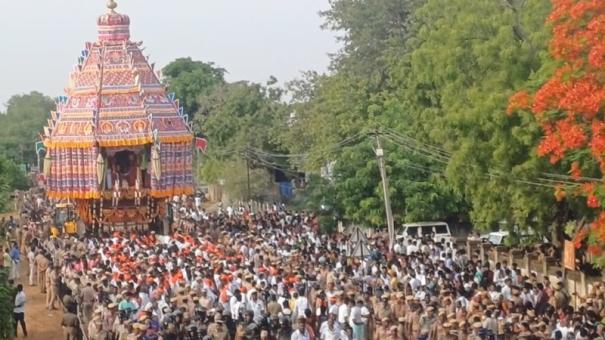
248 171
385 188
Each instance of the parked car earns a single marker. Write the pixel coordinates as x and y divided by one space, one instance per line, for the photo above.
439 230
496 238
499 238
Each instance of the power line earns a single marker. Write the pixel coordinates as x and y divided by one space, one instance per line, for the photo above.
426 154
427 151
493 173
268 164
581 179
437 149
442 153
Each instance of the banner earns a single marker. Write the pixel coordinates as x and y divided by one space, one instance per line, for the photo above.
569 255
201 144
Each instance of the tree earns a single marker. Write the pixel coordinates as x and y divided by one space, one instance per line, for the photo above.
332 107
235 175
21 125
234 117
570 104
373 31
241 122
190 79
333 114
417 189
236 114
11 179
467 58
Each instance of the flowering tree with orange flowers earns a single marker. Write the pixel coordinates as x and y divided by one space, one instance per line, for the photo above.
570 105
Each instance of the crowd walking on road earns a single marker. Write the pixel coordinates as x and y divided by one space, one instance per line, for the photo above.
235 274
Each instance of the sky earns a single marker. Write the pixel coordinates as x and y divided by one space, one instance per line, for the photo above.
253 39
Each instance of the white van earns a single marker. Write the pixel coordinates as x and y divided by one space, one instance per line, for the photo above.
440 230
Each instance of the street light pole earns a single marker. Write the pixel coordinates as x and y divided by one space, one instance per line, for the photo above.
248 172
385 188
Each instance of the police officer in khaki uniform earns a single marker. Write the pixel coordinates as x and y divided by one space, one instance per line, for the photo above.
384 309
54 281
217 330
41 263
47 285
88 297
70 326
273 307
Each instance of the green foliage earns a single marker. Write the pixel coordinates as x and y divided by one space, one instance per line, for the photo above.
235 118
327 223
355 99
234 173
470 56
7 295
239 115
190 79
318 195
21 124
439 72
11 178
417 191
373 31
570 228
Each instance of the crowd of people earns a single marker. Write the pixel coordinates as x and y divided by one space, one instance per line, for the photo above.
234 274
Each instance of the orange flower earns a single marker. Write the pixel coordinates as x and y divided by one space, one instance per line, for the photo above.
560 194
518 101
569 106
579 237
592 201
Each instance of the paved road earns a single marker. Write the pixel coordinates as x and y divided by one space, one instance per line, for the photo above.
42 324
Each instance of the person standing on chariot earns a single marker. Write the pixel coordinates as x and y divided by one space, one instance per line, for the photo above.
116 189
137 189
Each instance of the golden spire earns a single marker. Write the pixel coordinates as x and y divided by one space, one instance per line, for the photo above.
111 4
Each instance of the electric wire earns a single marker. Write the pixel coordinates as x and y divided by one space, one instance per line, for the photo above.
447 153
427 151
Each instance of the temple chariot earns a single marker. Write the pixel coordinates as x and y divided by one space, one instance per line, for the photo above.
118 145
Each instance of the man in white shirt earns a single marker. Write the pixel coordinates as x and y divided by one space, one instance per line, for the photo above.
256 306
398 249
358 320
414 282
499 274
31 255
412 248
343 312
330 330
19 310
301 332
301 305
421 294
564 329
506 291
236 304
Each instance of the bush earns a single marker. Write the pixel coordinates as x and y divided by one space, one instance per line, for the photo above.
7 295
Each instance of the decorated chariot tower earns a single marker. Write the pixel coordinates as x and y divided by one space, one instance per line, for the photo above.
118 145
